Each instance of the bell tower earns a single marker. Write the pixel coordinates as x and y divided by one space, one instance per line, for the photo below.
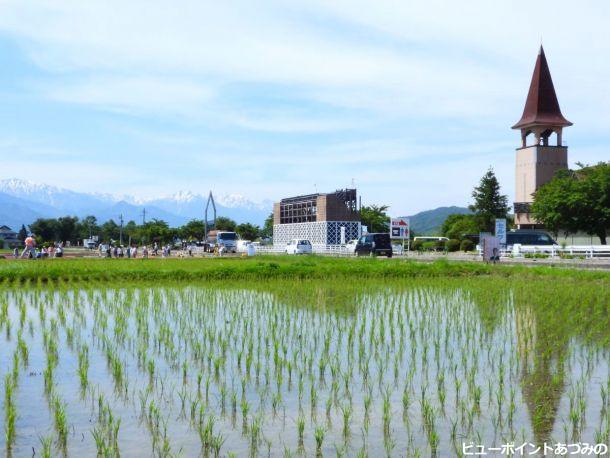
537 158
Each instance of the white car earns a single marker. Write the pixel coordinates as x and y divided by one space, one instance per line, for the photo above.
397 249
351 246
298 246
242 246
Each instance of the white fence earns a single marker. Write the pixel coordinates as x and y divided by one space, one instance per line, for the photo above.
518 251
335 250
554 251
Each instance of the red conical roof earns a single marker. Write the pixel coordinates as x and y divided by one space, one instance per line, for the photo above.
541 106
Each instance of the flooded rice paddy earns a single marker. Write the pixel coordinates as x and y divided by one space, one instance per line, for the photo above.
304 369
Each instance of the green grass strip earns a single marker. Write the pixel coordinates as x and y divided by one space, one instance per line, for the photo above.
67 271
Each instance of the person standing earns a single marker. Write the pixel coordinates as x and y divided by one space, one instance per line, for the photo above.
16 252
29 250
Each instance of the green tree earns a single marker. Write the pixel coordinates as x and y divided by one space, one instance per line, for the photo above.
456 226
129 231
375 218
193 230
267 230
23 233
225 224
248 231
109 231
489 204
87 227
576 200
45 229
155 230
67 229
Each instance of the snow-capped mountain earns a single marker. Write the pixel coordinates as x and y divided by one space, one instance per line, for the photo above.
224 200
70 202
28 201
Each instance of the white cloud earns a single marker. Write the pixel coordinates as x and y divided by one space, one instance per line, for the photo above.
238 42
137 94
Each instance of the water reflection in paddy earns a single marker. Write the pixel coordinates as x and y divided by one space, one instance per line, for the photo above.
402 370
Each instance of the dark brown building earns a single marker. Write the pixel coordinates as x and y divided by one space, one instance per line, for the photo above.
339 206
323 219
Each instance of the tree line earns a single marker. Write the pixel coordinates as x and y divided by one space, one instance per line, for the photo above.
572 201
73 229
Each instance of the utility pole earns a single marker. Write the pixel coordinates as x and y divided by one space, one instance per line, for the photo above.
121 230
143 216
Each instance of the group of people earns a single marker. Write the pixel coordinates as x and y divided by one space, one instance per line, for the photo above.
119 251
56 250
53 251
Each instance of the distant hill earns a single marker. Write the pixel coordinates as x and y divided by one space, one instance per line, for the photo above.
429 222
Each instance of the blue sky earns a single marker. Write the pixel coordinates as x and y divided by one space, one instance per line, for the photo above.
269 99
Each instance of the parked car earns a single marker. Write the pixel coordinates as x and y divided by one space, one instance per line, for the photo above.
299 246
397 249
351 246
377 244
529 237
242 246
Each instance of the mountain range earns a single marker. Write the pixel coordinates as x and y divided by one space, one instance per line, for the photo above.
22 202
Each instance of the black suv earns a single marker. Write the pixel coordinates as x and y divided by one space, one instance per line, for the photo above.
374 245
529 237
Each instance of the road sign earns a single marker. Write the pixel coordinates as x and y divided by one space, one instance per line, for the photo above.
491 248
399 228
501 230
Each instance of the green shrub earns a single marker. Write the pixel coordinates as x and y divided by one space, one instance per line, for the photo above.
536 255
429 246
452 245
417 245
467 245
434 245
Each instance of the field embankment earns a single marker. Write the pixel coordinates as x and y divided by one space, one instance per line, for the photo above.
265 268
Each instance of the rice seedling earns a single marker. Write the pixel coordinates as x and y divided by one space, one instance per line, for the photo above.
10 411
60 421
23 349
347 414
83 366
46 444
301 429
319 434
